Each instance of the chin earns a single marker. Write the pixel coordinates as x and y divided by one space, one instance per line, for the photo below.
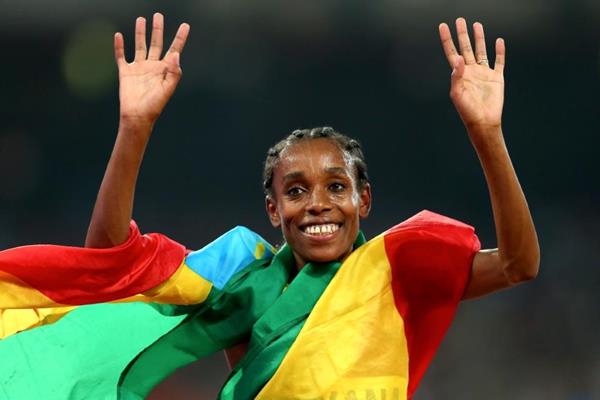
325 256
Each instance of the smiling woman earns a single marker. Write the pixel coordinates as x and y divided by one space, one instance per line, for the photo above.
329 314
317 191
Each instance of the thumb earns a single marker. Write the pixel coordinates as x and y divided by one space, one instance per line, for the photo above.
459 67
173 73
174 59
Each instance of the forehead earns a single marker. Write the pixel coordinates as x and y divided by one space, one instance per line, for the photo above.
313 154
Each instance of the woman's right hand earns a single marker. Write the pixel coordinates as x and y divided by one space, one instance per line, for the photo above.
147 83
145 86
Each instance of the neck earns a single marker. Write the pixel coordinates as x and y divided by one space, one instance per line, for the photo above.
300 262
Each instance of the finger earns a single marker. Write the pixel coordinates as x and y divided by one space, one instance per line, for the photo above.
500 55
480 51
156 42
463 41
140 39
119 49
448 44
179 40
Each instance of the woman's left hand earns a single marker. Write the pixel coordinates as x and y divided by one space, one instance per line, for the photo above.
477 90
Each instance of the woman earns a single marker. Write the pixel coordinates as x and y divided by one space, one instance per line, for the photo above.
328 316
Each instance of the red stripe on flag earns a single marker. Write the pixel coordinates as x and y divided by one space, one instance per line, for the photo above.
75 275
431 257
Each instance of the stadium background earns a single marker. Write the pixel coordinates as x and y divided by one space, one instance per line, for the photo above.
254 71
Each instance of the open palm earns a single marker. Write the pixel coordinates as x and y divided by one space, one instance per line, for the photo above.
477 90
147 83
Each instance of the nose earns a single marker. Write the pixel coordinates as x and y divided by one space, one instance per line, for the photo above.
318 202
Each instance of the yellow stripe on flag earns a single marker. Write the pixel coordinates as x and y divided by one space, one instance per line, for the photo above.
14 320
353 343
14 293
183 287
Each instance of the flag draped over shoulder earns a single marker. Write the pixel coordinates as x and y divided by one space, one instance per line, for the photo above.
376 326
79 349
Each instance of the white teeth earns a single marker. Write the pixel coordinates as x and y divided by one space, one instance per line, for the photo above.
321 229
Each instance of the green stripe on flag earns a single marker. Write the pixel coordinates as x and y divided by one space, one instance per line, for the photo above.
276 331
223 320
82 355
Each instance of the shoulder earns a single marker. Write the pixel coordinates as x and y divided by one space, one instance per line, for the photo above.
231 252
431 221
431 230
431 255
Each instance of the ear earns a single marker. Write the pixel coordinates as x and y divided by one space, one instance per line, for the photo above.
365 201
271 206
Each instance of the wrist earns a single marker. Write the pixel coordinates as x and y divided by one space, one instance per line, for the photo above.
483 128
136 128
135 123
489 145
485 134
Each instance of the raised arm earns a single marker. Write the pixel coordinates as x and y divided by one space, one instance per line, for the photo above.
145 86
477 91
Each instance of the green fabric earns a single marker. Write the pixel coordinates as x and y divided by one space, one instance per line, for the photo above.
224 319
88 353
82 355
277 329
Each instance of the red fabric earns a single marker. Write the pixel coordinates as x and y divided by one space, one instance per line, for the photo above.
75 275
431 258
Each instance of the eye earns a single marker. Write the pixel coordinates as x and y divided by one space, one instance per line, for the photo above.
337 187
294 191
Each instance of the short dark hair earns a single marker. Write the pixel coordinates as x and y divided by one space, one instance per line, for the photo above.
348 145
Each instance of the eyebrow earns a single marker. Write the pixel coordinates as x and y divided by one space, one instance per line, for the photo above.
330 171
336 171
292 176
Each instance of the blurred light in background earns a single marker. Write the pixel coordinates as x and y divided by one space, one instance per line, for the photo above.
88 67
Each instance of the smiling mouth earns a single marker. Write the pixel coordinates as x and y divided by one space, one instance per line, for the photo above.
321 229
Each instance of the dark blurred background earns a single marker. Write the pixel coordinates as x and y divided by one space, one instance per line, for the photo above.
256 70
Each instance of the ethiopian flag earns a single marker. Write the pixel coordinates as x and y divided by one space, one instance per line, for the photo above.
73 321
363 328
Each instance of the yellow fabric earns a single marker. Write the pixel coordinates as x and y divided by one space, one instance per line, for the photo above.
259 252
353 344
183 287
14 293
23 307
16 320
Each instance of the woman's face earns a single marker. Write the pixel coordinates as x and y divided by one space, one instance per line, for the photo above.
316 201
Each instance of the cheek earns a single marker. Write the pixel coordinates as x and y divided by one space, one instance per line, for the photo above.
351 204
287 213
